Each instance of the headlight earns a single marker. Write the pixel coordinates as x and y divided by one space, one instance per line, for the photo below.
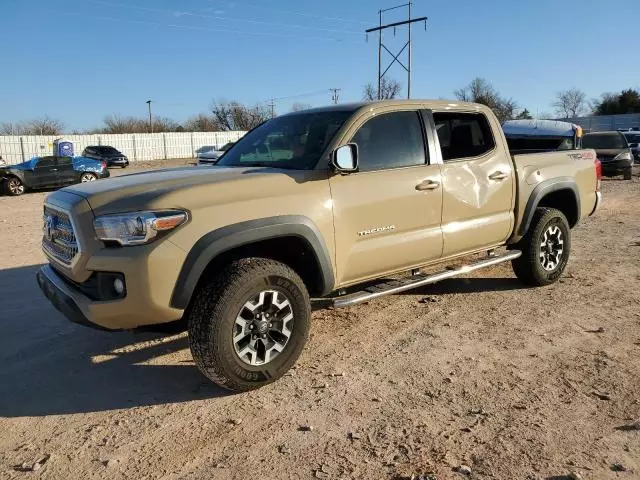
623 156
137 228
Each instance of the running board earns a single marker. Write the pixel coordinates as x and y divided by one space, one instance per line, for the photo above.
397 286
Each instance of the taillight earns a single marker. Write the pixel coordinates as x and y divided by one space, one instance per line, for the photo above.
598 173
104 164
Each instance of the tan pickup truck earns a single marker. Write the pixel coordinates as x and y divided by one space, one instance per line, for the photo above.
326 203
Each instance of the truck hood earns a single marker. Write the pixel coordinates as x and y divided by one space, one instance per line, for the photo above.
166 188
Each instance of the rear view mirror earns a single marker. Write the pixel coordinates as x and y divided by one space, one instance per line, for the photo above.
345 158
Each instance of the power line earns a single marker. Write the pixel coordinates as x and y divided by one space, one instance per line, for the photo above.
180 13
195 27
301 14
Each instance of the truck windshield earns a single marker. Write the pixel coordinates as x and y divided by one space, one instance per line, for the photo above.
291 141
605 141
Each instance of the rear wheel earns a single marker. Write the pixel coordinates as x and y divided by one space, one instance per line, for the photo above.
15 186
88 177
627 174
249 323
545 248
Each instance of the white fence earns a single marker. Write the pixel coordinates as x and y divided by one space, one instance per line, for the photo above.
137 146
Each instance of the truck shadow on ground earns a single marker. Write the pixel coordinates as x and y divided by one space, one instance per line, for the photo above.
51 366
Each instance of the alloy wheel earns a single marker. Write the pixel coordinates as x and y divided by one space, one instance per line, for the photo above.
15 186
263 328
551 248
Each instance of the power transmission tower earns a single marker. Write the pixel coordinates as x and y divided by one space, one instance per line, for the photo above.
335 94
272 105
381 45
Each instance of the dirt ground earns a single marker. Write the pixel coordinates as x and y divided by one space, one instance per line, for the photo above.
514 383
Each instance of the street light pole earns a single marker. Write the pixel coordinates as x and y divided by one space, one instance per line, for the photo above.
150 118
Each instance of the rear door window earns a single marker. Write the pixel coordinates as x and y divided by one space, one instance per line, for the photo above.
463 135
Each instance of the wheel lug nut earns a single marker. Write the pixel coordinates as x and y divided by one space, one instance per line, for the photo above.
264 336
251 327
270 325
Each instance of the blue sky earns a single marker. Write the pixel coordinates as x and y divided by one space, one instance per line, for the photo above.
79 60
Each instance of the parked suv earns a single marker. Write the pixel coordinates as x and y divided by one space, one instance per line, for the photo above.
613 151
633 138
110 155
326 203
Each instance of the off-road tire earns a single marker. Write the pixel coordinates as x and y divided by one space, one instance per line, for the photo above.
212 315
528 267
627 174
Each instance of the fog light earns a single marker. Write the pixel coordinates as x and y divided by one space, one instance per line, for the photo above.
118 286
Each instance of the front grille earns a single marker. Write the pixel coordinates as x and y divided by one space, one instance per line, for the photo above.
605 158
59 239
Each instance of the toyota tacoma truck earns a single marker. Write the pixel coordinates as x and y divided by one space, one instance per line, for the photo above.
327 203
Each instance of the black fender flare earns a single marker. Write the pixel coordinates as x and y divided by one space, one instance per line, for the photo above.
214 243
540 191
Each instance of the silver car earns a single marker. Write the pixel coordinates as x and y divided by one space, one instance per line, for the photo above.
211 155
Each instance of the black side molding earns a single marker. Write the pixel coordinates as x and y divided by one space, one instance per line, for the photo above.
226 238
539 192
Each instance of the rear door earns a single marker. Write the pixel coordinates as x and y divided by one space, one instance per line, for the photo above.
478 181
44 172
65 174
387 215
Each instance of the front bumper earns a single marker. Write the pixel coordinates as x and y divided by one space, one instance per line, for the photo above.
61 297
118 162
615 167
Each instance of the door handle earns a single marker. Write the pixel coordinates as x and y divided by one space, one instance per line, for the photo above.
54 169
498 175
427 185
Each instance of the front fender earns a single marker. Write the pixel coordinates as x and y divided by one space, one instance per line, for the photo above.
226 238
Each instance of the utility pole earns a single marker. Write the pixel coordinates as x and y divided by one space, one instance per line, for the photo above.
335 94
150 118
381 45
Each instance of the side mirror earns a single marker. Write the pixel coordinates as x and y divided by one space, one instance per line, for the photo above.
345 158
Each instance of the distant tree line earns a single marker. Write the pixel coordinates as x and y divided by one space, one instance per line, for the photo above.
232 115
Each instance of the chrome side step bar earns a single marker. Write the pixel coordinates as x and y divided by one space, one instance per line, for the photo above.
397 286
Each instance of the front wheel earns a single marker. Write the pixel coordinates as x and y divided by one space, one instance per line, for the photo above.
87 177
545 248
15 187
249 323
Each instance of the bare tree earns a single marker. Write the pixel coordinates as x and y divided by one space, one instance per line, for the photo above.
201 123
44 126
570 103
481 91
13 128
119 124
236 116
298 107
389 88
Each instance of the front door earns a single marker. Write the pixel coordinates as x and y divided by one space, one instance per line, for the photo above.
387 215
478 182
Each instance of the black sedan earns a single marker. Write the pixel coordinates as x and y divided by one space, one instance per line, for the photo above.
112 156
46 172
